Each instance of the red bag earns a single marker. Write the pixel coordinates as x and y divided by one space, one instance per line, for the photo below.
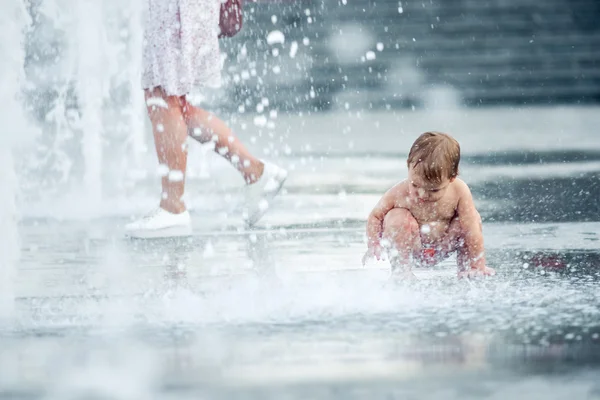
231 19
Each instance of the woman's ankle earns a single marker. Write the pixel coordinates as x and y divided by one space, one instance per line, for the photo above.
253 172
174 207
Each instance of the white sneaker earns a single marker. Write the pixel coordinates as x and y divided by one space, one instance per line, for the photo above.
160 224
260 193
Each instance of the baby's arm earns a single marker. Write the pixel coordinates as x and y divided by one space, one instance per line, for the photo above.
375 222
470 222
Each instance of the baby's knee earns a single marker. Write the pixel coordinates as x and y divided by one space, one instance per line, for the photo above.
399 220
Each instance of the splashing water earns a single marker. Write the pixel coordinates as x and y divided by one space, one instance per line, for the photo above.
8 234
91 88
13 22
85 63
136 103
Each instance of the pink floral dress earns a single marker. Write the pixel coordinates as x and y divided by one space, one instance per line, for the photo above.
181 45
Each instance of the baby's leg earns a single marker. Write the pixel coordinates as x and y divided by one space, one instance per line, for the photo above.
170 134
401 230
205 127
455 241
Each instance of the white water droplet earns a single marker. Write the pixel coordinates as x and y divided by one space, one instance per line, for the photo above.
157 102
223 150
175 176
260 120
162 170
275 37
293 49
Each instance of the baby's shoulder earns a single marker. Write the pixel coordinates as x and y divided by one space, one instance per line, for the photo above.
460 186
397 192
400 188
460 190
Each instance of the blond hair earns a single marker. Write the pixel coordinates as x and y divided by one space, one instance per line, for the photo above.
435 156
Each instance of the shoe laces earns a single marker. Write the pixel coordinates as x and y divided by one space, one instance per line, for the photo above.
151 214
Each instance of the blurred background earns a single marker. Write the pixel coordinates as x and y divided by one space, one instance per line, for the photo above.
335 91
318 78
382 55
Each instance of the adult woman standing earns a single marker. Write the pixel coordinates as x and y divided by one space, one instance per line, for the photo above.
181 53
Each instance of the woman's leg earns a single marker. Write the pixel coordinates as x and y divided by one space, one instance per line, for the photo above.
205 127
170 134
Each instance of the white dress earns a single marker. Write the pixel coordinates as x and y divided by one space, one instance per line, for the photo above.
181 45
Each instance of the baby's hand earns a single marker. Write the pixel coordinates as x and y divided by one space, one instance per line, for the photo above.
373 252
476 273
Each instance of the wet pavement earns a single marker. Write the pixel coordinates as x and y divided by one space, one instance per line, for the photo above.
285 310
